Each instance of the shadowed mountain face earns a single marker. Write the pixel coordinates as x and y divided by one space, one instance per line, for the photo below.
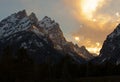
110 51
42 39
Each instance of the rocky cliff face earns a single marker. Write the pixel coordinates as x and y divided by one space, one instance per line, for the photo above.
110 51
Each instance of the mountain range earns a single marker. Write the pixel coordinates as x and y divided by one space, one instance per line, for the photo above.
41 39
39 47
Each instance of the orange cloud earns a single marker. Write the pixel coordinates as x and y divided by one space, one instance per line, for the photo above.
95 25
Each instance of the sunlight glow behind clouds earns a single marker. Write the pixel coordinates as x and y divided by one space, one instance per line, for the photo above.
89 7
90 26
86 12
96 25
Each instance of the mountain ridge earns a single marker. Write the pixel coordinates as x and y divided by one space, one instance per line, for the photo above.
36 50
15 27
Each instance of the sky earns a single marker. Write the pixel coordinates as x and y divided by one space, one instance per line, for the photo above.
85 22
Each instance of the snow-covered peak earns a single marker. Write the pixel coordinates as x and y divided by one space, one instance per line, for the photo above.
14 23
21 14
33 18
46 29
15 16
47 23
53 32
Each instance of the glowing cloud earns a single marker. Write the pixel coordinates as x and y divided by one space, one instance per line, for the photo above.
95 48
87 13
96 23
88 7
94 19
77 38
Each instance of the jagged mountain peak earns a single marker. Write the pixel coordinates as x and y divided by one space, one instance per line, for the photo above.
14 26
33 18
18 15
53 31
47 18
48 23
14 23
21 14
